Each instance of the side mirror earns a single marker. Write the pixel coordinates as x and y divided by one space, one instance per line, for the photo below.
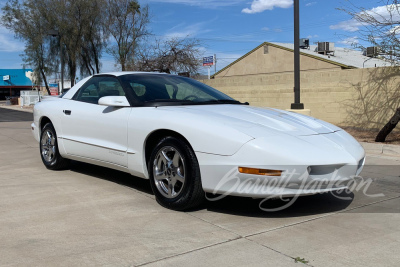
114 101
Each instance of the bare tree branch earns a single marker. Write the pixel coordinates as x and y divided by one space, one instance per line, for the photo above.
173 55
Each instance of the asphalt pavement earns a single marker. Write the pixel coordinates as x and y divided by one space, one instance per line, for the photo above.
93 216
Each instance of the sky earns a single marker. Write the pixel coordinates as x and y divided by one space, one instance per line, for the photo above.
230 28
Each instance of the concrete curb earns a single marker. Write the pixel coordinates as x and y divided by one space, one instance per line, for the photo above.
387 150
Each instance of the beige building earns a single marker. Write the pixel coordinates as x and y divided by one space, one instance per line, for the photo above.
344 88
271 58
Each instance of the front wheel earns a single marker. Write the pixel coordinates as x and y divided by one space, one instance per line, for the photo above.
49 149
175 175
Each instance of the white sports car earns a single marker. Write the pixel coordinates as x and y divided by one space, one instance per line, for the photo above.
189 138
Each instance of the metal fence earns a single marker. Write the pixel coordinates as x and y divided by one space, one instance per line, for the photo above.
30 97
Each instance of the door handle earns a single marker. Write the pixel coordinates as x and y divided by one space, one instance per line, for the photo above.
67 112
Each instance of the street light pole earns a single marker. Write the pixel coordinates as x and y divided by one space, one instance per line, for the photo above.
56 33
297 104
62 65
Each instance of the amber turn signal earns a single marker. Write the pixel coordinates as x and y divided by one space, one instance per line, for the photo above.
260 171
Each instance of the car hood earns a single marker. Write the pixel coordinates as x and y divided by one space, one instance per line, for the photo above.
259 122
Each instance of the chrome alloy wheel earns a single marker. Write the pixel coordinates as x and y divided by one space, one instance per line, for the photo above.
48 146
169 172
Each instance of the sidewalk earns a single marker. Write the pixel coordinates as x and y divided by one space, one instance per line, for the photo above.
381 149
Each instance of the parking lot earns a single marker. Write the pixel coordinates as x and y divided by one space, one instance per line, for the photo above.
90 215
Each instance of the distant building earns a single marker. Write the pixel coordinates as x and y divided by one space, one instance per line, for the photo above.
339 85
12 81
270 58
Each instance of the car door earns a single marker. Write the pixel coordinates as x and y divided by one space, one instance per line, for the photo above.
95 132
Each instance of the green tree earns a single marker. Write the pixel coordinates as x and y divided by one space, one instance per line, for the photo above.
127 23
80 24
28 25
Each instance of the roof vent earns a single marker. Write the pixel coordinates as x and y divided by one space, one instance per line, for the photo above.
305 43
326 48
373 51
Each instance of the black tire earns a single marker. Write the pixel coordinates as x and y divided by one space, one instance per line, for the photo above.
55 161
191 192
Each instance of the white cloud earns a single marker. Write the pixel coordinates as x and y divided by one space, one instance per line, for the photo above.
348 26
380 13
258 6
311 4
395 30
350 41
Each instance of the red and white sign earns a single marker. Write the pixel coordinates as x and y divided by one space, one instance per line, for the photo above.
53 88
208 61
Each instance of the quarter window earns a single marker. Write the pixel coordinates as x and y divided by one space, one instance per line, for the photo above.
98 87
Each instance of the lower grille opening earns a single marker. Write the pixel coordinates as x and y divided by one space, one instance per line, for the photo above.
323 170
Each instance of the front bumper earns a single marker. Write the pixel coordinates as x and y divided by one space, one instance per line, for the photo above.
308 169
296 181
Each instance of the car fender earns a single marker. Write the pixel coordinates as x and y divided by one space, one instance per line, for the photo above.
49 109
204 135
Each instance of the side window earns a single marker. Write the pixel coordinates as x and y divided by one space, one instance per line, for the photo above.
110 87
98 87
139 89
90 91
171 91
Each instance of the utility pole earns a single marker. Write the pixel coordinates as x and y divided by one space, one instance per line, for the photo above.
297 104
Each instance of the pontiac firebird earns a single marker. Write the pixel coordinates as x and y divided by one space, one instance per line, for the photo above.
189 139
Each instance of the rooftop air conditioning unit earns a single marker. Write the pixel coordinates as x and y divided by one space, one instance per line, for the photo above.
326 48
372 51
304 43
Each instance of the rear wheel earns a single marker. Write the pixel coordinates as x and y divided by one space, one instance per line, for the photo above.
49 149
175 175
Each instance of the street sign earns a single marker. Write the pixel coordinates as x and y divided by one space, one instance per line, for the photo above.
6 77
208 61
53 88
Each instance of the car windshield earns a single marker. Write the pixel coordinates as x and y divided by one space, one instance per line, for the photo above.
162 88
